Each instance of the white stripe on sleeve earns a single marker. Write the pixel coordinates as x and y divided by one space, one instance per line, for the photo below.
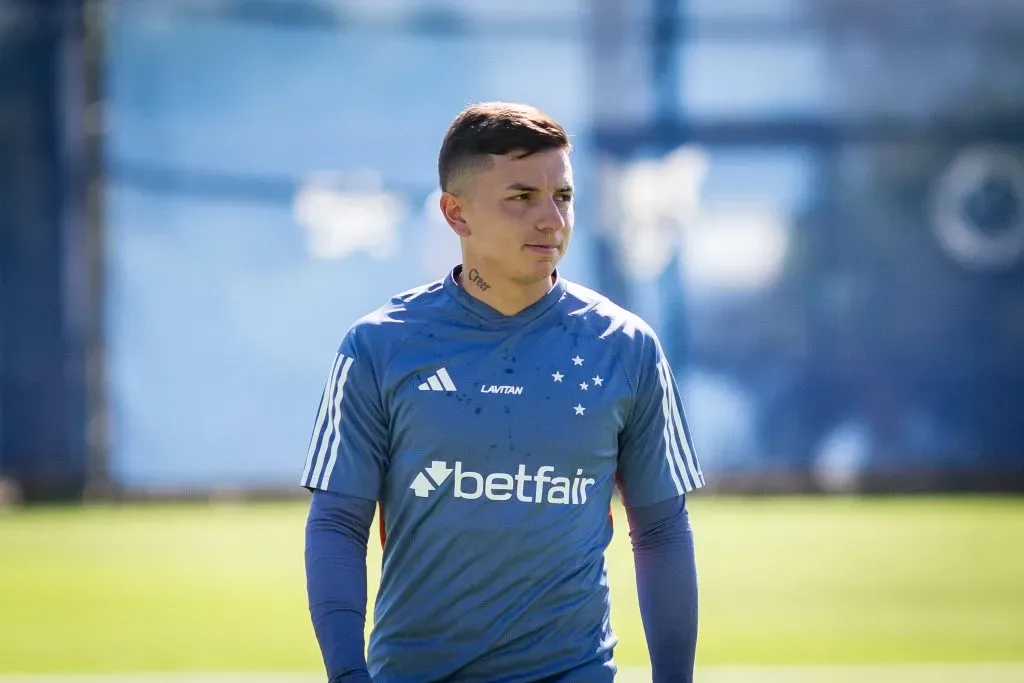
336 431
318 425
688 468
671 452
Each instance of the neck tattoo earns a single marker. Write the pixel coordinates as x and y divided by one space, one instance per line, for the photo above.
474 277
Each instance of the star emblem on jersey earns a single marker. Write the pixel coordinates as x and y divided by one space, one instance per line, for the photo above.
430 478
595 381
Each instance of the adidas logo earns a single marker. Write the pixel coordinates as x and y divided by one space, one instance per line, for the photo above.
439 381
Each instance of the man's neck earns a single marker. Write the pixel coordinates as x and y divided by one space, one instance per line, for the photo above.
508 298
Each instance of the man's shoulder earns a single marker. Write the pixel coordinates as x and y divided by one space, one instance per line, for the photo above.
399 316
607 318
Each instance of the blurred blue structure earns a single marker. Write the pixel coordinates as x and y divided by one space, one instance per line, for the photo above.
231 136
45 329
819 204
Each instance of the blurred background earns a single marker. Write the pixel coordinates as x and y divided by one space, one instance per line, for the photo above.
818 204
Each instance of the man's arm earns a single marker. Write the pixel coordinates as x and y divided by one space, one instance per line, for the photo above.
344 470
337 530
666 580
657 468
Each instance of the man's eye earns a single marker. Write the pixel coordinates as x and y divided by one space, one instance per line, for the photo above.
520 197
565 197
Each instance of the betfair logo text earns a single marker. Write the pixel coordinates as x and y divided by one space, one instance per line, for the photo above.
537 487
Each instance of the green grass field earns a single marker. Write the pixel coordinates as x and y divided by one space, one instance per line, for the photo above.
786 581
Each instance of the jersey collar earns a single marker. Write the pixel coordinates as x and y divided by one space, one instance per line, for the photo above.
495 317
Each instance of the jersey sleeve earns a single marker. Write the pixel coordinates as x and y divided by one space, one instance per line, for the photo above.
656 456
348 447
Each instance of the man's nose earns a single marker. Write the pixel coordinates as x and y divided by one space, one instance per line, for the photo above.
552 216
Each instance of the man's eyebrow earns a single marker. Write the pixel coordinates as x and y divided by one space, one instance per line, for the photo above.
522 187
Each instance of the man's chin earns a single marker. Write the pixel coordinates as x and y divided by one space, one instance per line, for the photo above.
538 272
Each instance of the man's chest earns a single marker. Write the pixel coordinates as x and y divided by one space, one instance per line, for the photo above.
551 398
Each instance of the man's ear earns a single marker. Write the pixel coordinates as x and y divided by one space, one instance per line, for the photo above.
451 209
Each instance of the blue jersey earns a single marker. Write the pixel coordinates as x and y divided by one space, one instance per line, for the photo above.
494 444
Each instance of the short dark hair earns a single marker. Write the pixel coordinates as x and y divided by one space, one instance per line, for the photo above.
496 128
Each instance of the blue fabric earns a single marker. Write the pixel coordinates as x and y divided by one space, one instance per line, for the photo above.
666 580
336 535
337 529
494 445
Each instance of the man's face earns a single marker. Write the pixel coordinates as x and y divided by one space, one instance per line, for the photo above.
518 213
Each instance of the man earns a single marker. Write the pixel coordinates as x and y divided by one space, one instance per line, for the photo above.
492 414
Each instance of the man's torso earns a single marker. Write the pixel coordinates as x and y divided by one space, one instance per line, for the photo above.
496 501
